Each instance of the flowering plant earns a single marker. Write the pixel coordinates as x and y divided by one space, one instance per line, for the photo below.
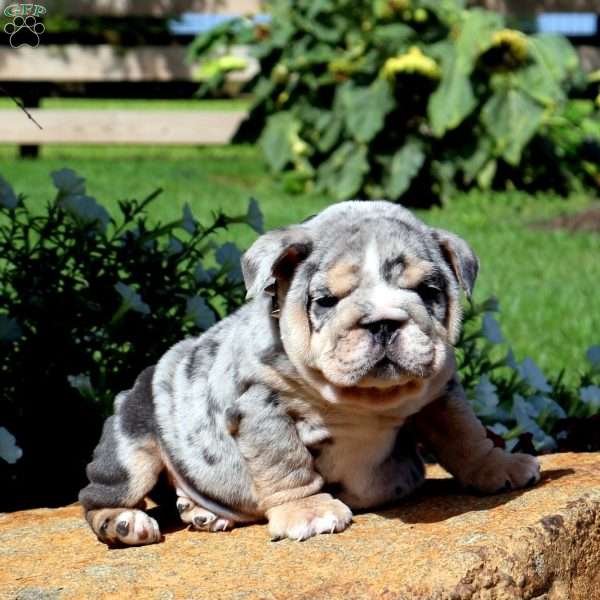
411 99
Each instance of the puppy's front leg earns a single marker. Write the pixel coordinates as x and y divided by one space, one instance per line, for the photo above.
449 426
285 481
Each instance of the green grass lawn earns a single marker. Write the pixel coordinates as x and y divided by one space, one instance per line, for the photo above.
547 282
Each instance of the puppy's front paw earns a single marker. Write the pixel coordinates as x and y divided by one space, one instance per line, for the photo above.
502 472
303 518
131 527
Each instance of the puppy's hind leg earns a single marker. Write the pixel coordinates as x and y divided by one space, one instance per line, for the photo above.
125 467
199 517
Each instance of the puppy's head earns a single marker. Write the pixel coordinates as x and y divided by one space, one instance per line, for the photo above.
369 299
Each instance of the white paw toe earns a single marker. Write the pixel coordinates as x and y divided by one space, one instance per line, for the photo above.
135 527
200 518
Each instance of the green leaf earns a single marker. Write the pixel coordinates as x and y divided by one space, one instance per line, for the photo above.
365 108
352 174
578 110
331 135
486 175
555 53
393 38
317 7
472 164
444 171
453 100
511 118
445 10
321 32
475 35
277 139
406 164
553 59
535 80
343 173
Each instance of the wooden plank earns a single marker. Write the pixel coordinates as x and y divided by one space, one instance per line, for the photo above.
154 8
76 63
119 126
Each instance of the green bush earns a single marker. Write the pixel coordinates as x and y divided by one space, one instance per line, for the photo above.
86 302
411 99
516 401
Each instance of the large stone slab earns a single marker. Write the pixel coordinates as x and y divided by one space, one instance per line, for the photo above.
542 543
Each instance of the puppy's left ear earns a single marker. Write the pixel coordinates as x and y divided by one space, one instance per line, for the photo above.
460 257
274 255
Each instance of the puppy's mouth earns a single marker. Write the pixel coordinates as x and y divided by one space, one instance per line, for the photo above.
372 390
386 374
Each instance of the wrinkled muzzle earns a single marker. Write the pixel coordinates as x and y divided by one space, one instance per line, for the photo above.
380 348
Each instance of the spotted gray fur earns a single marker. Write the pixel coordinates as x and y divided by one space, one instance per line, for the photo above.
138 412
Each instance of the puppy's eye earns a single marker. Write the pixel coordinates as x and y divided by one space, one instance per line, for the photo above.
428 292
327 301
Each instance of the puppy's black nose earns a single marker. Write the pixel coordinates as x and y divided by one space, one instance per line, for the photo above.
383 330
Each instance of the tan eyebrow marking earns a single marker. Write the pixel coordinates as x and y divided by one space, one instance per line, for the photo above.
415 271
342 278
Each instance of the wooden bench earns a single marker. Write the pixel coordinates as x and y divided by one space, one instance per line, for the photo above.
107 71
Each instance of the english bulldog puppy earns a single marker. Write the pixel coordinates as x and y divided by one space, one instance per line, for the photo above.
309 400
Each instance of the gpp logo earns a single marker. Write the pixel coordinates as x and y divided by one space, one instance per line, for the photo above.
24 30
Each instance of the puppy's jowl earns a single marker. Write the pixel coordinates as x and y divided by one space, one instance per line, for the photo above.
308 401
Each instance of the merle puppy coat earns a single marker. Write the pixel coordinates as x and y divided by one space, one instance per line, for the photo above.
308 401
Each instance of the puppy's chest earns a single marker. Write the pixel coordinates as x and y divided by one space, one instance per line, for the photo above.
348 448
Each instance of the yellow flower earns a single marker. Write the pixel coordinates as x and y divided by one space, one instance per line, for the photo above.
282 98
222 64
399 5
341 66
414 61
300 147
420 15
280 73
514 40
232 63
385 9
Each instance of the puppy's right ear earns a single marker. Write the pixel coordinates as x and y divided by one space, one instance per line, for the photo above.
274 256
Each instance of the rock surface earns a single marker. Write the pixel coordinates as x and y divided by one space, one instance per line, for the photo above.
542 543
